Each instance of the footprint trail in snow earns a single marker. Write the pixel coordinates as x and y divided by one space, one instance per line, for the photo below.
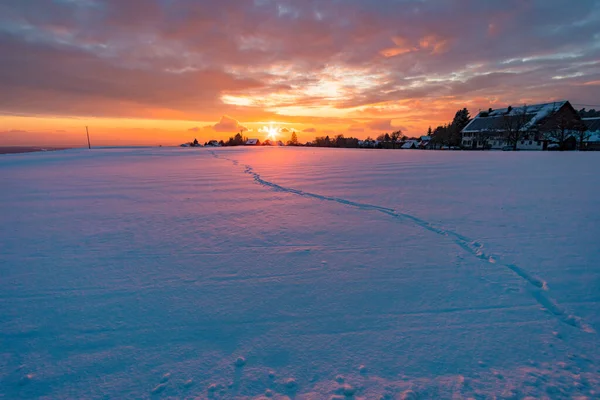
537 287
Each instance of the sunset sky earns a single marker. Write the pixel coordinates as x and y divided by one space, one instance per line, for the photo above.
166 71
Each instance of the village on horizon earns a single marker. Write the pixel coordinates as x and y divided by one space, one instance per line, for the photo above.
545 126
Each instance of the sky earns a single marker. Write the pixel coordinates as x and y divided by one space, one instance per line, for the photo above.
152 72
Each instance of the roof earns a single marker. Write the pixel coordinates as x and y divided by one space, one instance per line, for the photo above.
495 121
425 138
252 141
410 144
592 124
594 138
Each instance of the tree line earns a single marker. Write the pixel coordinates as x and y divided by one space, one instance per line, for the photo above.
450 134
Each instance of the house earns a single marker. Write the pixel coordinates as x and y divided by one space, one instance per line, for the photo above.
425 142
213 143
253 142
490 129
368 143
593 133
410 144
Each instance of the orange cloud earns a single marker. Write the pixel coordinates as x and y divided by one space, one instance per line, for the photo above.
402 46
434 43
367 65
228 124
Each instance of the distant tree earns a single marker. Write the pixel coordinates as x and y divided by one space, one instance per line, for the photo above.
195 142
429 131
394 137
293 140
238 139
320 141
352 142
440 136
514 125
327 141
592 113
460 121
221 142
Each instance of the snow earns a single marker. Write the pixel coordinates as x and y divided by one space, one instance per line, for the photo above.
300 273
410 144
541 110
537 112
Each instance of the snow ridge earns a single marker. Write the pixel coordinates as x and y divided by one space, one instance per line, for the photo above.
538 288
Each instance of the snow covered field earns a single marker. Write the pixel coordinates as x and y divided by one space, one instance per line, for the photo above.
298 272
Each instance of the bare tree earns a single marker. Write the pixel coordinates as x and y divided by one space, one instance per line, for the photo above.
514 125
562 128
395 136
582 136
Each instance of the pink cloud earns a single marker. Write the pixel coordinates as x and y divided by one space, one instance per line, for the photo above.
228 124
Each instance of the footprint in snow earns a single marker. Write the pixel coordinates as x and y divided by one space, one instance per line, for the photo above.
213 387
291 384
25 379
409 395
240 362
159 388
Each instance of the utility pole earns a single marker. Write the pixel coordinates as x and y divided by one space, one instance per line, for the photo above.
88 137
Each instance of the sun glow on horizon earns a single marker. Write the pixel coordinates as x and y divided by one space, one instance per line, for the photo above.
271 132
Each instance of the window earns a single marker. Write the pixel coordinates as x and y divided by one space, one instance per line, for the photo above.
539 143
530 142
522 142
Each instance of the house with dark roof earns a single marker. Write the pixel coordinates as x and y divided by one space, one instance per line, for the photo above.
491 129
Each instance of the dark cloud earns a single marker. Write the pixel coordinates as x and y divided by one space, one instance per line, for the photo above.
310 130
180 59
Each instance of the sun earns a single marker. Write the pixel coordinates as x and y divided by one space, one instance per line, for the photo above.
272 133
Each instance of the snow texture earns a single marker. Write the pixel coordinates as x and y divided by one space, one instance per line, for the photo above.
299 273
